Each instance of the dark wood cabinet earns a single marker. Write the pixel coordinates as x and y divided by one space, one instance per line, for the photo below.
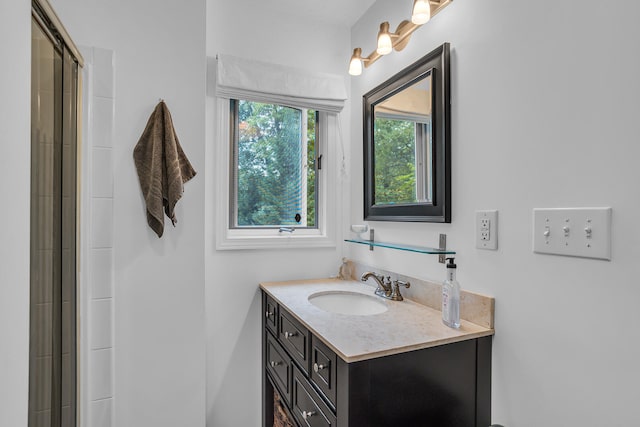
271 314
324 363
280 367
443 386
308 406
295 338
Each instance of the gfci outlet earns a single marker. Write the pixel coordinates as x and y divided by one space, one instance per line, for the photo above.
487 229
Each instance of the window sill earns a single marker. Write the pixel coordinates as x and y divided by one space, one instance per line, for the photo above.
234 241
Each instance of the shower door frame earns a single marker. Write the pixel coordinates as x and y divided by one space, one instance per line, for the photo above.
69 101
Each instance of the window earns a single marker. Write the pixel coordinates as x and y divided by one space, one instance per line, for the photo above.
274 181
277 154
402 168
276 175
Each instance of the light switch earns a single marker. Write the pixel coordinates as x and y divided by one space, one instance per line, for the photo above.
580 232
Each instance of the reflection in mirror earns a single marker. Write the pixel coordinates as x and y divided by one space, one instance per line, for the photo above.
407 150
402 149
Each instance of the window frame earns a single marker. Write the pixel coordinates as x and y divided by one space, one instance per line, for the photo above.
229 238
234 141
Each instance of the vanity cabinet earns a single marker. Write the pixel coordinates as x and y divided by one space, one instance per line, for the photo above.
444 386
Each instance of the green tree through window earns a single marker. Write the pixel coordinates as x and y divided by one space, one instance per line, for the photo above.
395 161
275 165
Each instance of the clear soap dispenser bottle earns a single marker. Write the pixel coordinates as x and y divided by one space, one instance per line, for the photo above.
451 297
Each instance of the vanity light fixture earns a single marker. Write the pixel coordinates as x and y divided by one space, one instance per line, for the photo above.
385 45
422 12
355 65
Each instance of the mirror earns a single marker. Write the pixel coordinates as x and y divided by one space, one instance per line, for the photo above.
407 144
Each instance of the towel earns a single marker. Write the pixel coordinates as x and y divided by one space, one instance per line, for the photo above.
162 168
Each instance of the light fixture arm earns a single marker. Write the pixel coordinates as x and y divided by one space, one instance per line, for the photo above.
400 38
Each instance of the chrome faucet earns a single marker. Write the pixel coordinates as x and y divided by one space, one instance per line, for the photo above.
386 287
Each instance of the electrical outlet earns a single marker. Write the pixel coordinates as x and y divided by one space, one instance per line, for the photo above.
487 229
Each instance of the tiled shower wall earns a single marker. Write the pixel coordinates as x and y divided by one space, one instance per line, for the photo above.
96 301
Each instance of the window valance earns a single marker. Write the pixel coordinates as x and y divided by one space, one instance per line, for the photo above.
241 78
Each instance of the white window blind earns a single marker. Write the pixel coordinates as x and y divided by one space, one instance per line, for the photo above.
241 78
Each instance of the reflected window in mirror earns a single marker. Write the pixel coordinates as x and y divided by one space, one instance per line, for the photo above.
403 146
407 144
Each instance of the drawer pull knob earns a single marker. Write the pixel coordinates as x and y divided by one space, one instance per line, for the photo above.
268 314
274 364
317 367
309 414
288 335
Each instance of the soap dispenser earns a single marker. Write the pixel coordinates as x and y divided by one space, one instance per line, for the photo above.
451 297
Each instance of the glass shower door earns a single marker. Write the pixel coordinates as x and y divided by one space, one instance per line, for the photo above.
52 354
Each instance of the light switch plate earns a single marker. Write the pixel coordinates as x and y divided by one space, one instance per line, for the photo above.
579 232
487 229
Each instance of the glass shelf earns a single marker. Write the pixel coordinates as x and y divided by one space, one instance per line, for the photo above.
401 247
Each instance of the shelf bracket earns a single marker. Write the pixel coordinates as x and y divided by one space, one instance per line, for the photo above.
371 234
442 246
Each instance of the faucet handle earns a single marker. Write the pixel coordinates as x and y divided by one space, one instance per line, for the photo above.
395 292
401 283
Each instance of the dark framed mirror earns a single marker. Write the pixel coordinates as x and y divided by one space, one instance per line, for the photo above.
407 144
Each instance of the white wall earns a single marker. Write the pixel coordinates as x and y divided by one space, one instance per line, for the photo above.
545 111
232 297
158 283
15 166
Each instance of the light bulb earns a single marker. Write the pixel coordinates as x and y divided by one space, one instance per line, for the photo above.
421 12
355 66
384 40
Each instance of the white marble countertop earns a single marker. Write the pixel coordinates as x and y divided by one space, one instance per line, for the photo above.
405 326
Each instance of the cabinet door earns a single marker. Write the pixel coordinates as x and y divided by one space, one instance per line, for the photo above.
295 338
279 366
308 407
323 369
271 314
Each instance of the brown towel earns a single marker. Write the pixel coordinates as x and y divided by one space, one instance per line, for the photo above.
162 167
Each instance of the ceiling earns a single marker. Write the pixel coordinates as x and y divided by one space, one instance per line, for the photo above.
338 12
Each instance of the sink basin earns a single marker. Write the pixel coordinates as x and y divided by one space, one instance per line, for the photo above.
353 303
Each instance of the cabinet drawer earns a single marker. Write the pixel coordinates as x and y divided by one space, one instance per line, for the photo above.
295 338
279 365
308 407
323 369
271 314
